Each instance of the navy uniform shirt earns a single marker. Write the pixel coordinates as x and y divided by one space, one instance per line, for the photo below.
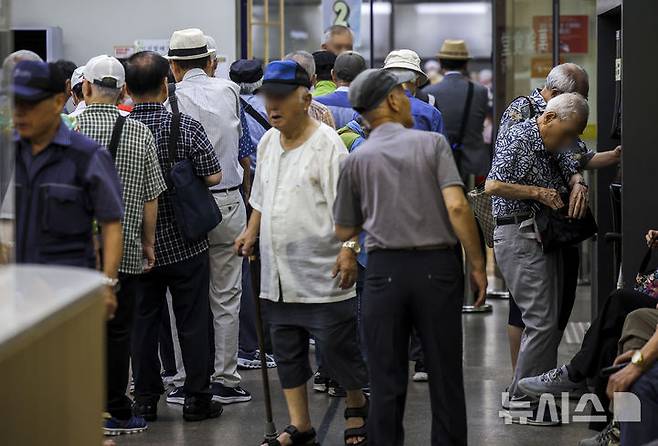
58 194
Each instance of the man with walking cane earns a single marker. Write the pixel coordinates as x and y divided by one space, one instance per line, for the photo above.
308 276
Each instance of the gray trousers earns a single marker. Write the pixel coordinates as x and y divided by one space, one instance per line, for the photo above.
535 281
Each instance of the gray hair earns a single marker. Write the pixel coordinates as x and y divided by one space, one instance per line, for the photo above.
305 59
249 88
107 93
569 106
334 30
563 78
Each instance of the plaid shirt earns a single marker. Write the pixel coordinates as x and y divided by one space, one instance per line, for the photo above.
138 168
193 144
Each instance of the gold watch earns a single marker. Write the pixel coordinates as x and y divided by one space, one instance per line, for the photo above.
354 246
638 359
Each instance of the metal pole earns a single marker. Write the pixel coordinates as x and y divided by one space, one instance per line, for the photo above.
266 31
282 28
372 34
556 32
250 43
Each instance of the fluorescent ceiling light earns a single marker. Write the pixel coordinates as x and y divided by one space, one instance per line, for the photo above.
478 8
379 8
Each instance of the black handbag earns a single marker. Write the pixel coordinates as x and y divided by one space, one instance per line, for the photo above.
558 231
195 208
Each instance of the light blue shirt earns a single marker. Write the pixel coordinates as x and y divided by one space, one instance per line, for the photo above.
339 105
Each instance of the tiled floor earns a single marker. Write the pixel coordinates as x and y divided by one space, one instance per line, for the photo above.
486 374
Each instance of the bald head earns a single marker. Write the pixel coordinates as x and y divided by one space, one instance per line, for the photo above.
568 78
337 39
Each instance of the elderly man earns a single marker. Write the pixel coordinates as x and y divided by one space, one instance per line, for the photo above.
564 78
414 276
307 275
524 170
181 265
347 67
337 39
464 106
215 103
132 147
316 110
324 63
426 117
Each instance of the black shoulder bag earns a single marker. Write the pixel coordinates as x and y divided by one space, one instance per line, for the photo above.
116 136
251 111
194 206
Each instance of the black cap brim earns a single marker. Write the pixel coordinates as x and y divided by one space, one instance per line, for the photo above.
30 94
278 89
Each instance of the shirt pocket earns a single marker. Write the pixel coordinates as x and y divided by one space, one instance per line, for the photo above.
64 212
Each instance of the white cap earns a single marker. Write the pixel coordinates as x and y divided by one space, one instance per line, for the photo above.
105 71
78 76
405 60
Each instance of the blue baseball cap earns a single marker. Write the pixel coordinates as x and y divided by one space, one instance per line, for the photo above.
282 77
34 81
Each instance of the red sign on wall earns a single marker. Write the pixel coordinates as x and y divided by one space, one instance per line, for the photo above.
574 33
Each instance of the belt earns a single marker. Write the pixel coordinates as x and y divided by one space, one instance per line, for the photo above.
512 219
230 189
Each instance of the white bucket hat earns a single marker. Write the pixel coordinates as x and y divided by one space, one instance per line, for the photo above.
406 60
188 44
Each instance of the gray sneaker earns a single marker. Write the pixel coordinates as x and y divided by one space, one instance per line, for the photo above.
553 382
610 436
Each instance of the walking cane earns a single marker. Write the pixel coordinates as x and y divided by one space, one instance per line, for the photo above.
254 269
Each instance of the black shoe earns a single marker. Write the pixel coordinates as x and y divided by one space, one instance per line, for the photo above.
198 408
320 382
229 395
146 409
335 390
420 373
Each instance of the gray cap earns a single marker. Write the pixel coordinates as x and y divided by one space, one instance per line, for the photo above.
348 65
372 86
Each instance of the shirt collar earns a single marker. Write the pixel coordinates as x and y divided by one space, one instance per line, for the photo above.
145 107
346 89
386 128
99 108
194 72
450 73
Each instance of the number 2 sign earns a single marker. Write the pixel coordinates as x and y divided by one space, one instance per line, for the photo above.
344 13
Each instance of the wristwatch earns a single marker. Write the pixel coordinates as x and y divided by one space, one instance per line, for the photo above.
112 283
354 246
638 359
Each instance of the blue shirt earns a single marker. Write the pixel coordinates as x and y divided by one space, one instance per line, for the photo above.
59 192
426 117
521 158
339 105
255 129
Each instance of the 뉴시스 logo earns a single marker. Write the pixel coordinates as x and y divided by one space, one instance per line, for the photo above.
626 409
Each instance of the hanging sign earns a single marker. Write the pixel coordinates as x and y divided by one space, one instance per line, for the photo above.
345 13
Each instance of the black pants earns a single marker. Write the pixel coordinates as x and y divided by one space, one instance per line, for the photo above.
188 282
605 331
167 356
425 290
571 267
118 347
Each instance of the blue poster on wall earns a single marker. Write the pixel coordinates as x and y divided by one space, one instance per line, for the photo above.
345 13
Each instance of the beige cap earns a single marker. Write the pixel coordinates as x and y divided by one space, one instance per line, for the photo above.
406 60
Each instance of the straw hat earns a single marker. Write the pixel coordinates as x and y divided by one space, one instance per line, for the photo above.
188 44
454 50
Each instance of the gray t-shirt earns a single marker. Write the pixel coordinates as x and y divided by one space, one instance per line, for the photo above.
391 186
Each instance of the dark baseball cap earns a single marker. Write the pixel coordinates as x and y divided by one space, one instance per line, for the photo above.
34 81
372 86
324 60
247 71
282 77
348 65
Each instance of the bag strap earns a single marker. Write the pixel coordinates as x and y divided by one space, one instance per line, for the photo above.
467 110
251 111
174 129
645 262
116 136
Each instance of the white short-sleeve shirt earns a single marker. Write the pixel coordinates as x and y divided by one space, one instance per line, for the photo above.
294 191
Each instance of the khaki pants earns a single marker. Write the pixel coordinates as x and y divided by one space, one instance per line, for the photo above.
639 327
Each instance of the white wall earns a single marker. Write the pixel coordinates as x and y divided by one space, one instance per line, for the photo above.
92 27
